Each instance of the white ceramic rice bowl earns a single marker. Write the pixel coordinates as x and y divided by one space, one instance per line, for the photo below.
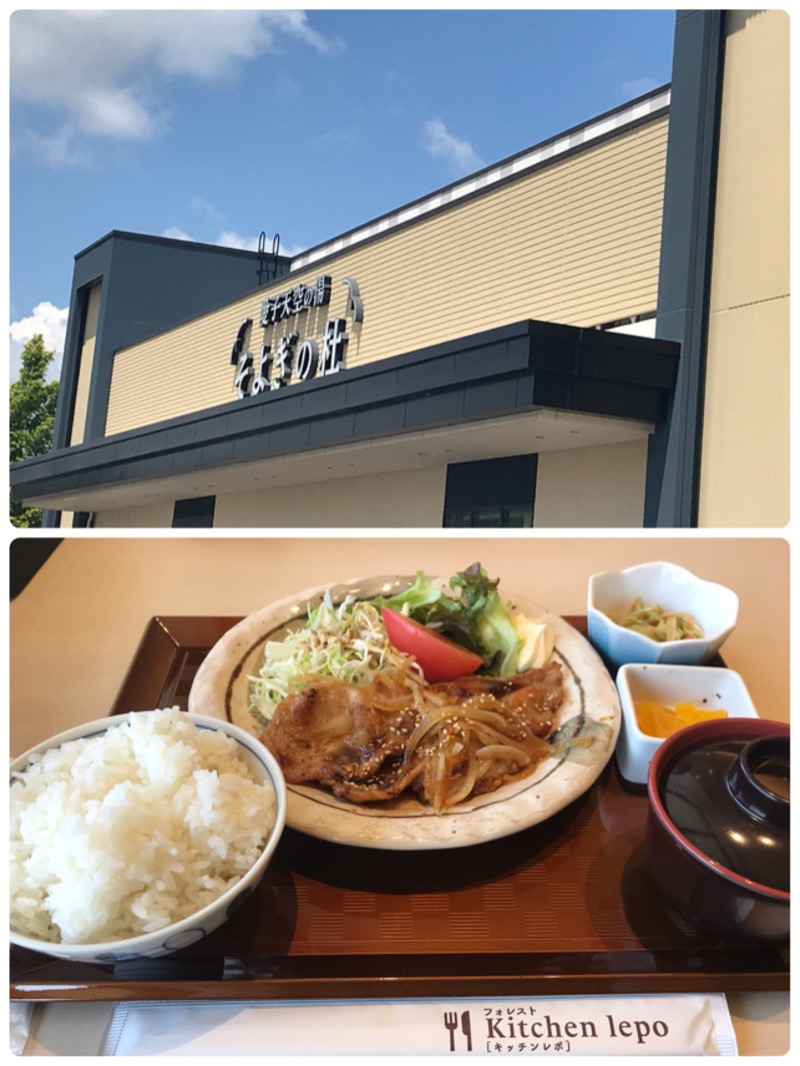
188 930
714 607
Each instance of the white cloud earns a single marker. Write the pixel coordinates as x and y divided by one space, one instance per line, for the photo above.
440 142
99 72
629 90
292 249
206 210
177 234
48 320
59 150
231 239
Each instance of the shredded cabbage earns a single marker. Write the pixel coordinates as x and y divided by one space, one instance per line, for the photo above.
347 642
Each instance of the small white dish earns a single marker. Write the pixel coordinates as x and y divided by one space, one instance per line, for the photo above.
710 688
714 607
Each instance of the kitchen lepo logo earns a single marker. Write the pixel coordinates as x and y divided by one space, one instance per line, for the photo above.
524 1029
451 1022
301 359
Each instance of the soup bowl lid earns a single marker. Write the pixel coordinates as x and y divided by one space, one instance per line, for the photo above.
722 791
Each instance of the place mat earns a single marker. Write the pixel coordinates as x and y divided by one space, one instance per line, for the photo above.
566 907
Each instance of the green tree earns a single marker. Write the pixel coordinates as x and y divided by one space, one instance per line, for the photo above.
32 416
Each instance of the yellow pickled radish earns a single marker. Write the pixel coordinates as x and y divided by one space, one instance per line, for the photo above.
689 713
659 721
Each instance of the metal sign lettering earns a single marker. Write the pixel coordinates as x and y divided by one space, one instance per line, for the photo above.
302 359
301 298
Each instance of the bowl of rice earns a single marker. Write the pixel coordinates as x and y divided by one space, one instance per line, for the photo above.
137 835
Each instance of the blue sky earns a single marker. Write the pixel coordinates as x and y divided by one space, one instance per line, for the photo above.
215 126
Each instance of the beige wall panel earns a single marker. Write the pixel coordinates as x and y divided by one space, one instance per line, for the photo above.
85 364
744 478
751 247
407 499
584 488
78 429
746 436
576 242
172 374
606 489
148 516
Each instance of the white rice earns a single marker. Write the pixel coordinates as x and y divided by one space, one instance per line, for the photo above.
132 830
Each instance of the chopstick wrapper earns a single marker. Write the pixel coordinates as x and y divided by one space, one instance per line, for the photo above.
568 1025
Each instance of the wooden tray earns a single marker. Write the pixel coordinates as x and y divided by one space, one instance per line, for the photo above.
564 908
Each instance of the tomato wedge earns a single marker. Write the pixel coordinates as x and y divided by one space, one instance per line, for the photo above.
439 658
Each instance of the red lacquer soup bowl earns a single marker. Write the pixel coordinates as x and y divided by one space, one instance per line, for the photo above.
717 837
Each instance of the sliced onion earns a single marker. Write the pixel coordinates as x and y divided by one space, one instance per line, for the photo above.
462 788
491 752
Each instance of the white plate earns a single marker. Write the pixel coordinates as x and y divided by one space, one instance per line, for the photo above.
221 689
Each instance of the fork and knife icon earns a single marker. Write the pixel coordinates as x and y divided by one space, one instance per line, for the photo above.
451 1024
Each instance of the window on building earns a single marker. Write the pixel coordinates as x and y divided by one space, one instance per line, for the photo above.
491 493
197 513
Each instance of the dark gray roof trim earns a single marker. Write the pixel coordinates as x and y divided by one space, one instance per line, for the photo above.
507 370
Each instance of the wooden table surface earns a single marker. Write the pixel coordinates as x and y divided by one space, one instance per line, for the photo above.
76 626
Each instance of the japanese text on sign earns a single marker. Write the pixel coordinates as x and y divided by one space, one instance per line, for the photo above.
294 357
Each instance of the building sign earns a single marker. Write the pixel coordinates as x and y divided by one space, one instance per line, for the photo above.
300 298
301 358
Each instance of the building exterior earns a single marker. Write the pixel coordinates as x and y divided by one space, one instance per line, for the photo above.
555 341
723 459
747 372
